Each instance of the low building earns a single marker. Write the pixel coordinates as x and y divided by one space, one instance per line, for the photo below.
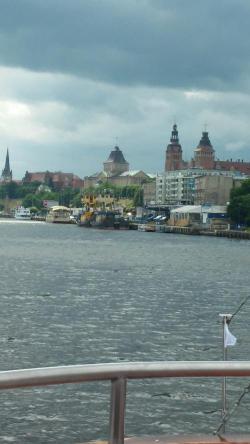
176 187
149 192
215 189
134 177
202 216
116 172
193 185
185 216
57 180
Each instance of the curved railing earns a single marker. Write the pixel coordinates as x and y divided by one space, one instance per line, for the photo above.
118 374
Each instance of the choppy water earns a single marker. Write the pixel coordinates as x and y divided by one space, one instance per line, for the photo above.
71 295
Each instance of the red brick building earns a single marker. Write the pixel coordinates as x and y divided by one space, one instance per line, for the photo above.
56 179
204 157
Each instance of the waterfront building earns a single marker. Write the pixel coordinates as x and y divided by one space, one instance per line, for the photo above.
149 192
116 171
133 177
215 189
7 172
204 157
200 216
116 163
189 186
57 180
174 159
202 179
176 187
204 153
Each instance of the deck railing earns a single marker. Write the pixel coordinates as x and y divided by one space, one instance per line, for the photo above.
119 374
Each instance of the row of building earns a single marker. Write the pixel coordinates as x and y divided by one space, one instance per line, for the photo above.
202 180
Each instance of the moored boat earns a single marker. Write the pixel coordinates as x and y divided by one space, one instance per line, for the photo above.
103 219
85 219
22 213
59 214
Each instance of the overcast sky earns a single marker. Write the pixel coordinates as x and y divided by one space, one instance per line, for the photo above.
79 76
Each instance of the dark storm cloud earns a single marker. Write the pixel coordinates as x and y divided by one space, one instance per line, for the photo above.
171 43
76 74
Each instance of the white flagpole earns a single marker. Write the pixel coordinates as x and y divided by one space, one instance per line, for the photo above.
225 318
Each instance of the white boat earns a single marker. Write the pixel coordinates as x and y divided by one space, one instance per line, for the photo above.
22 213
59 214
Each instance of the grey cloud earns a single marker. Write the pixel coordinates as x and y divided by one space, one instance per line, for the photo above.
73 123
171 43
77 74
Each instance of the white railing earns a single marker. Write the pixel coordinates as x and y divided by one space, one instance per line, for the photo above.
118 374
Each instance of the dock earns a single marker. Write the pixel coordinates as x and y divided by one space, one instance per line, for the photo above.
187 439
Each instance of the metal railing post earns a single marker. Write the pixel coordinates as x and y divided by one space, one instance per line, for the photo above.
117 411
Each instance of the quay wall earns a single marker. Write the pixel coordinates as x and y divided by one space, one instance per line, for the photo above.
233 234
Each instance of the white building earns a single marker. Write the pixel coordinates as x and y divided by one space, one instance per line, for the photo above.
179 187
199 215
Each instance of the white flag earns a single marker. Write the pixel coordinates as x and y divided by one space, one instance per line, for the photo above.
229 339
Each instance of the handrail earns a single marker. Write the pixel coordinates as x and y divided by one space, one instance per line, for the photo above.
118 374
128 370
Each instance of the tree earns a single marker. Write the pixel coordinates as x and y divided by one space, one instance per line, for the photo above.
9 190
32 200
77 201
138 198
67 195
12 190
239 207
34 210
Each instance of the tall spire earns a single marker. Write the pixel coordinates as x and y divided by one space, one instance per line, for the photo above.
174 135
7 173
205 141
204 153
7 162
173 160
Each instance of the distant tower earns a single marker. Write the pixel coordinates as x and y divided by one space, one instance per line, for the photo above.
6 173
116 164
174 152
204 153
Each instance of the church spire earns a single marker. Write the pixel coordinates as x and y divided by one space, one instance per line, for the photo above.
174 135
173 160
205 141
7 173
7 162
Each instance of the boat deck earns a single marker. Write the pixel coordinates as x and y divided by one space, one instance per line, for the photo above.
189 439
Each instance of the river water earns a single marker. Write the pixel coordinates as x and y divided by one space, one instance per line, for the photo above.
73 295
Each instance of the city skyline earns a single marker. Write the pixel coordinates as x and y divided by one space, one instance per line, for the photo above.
79 79
100 162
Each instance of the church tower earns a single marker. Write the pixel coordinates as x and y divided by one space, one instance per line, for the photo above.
204 153
116 164
7 173
174 152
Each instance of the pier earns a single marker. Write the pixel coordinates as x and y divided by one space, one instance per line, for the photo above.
232 234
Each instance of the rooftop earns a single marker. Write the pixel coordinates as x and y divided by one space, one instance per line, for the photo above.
116 156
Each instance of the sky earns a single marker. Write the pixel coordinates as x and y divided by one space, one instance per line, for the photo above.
79 77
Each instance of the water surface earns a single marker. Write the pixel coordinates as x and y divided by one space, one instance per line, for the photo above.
73 295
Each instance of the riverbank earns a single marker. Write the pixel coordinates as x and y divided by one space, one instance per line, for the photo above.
193 231
233 234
